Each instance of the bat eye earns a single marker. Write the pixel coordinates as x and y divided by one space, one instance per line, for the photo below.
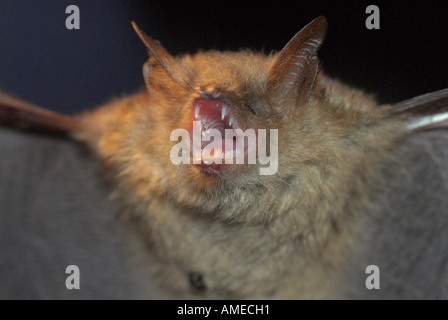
258 106
252 110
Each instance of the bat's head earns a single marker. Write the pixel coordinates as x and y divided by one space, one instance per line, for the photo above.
229 132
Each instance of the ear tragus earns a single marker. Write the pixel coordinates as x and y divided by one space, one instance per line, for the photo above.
291 76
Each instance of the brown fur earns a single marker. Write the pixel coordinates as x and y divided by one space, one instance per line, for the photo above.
250 236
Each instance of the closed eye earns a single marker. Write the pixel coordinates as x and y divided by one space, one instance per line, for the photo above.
259 107
251 110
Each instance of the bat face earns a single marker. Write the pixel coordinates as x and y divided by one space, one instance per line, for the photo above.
222 96
228 93
210 124
203 113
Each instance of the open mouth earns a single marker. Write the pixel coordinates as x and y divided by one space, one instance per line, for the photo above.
211 121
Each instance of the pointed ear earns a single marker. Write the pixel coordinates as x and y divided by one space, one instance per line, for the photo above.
292 74
158 56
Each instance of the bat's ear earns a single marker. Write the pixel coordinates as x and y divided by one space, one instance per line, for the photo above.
158 56
292 74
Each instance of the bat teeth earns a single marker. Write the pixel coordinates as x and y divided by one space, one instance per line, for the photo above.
223 112
196 112
231 121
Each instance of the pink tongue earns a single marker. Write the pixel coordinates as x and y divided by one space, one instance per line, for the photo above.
209 113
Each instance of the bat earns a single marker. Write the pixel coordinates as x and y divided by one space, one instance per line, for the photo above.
348 183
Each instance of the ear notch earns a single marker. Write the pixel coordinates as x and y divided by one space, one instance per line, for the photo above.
292 74
158 56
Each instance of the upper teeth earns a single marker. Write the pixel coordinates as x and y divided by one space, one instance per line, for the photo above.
230 121
196 112
223 112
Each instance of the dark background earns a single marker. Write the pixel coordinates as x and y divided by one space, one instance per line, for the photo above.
74 70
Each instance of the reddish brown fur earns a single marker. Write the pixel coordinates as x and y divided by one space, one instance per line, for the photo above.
253 236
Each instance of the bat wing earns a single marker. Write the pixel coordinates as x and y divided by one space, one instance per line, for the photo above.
427 112
406 233
15 112
55 212
406 230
